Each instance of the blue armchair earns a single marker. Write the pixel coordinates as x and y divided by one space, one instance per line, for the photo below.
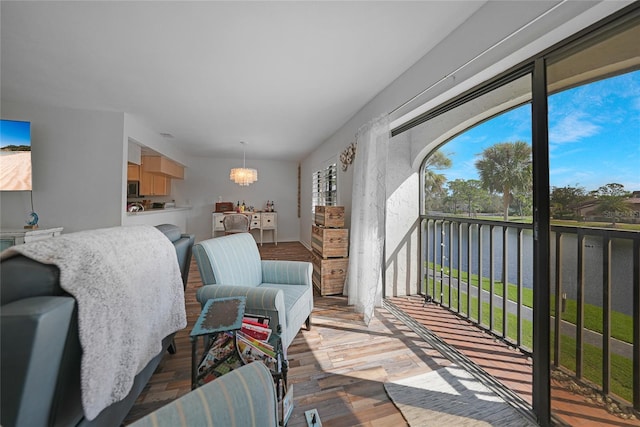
282 290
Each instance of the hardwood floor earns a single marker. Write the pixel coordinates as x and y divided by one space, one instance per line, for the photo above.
338 367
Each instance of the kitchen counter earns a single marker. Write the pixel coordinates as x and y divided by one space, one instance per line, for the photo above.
159 210
176 216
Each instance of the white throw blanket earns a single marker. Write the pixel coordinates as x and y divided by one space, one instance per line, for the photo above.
129 291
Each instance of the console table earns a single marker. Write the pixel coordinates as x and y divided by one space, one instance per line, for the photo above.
263 221
11 237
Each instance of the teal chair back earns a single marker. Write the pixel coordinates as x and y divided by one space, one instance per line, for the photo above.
243 397
229 260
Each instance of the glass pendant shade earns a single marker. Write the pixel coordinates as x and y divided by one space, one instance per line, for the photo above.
243 176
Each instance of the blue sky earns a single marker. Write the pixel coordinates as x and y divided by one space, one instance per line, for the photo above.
594 136
14 133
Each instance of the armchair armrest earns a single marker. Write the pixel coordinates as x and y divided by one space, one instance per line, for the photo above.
33 338
287 272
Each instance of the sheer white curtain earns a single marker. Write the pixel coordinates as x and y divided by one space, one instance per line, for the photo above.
368 199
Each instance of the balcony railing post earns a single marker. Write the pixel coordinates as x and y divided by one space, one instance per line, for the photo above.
636 324
606 315
519 285
505 280
479 274
580 306
492 278
469 260
558 295
459 275
450 260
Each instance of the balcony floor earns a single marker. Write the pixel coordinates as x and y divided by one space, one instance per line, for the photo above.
509 367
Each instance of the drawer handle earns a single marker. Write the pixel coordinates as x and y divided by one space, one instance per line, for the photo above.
341 271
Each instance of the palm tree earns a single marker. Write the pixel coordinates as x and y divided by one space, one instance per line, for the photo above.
433 181
505 167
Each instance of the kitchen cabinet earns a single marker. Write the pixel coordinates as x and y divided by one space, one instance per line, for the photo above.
162 166
154 185
133 172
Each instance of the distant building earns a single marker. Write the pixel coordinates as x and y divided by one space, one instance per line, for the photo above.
587 210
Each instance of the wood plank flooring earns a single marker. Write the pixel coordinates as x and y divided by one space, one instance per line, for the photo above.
338 368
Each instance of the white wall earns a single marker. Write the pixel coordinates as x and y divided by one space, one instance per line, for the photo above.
79 175
208 178
437 77
77 161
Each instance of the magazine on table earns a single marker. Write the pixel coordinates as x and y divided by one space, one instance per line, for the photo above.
251 353
262 345
256 318
220 358
256 330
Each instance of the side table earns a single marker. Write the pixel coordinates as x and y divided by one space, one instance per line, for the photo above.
217 315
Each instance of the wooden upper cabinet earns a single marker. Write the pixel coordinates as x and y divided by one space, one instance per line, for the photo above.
146 184
161 185
133 172
154 185
162 166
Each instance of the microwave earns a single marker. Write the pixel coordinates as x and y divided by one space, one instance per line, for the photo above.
133 189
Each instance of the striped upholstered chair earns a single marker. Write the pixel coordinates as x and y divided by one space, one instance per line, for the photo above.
231 266
243 397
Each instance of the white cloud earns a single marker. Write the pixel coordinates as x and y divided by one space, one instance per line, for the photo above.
572 128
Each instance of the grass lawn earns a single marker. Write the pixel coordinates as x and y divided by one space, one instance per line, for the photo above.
621 370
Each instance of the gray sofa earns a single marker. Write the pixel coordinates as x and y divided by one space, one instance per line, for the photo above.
41 352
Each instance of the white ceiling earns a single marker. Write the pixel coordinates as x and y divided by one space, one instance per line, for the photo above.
282 76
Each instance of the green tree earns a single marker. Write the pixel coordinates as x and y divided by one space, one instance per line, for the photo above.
565 201
434 182
612 201
505 168
470 191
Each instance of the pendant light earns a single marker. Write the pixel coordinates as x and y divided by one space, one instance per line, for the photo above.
243 176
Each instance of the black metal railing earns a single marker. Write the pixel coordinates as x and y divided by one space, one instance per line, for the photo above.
483 271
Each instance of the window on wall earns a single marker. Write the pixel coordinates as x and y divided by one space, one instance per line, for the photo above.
325 187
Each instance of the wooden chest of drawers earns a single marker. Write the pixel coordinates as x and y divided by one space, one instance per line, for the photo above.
330 216
330 242
329 274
